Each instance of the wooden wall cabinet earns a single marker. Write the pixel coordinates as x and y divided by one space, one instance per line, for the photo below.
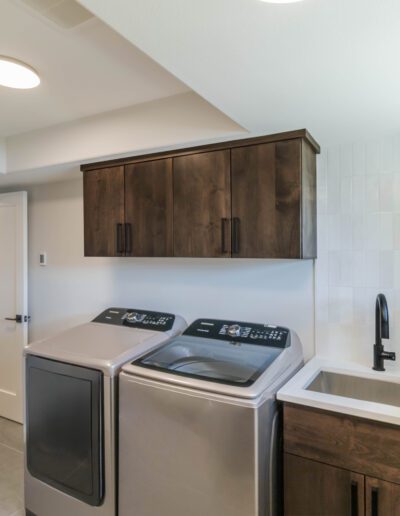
252 198
149 208
128 210
104 211
202 205
337 465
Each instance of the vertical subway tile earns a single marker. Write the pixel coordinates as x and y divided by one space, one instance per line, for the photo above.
386 269
370 269
386 231
372 193
346 160
396 231
322 233
372 231
322 169
359 231
396 154
372 156
358 268
346 194
334 239
346 269
358 194
346 232
386 192
334 268
340 305
396 269
358 153
322 200
396 192
386 159
333 181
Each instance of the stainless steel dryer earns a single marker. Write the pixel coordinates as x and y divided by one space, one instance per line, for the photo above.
199 422
71 410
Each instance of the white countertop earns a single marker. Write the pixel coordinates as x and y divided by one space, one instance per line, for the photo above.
295 391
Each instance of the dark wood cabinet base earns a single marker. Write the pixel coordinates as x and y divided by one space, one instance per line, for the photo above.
337 465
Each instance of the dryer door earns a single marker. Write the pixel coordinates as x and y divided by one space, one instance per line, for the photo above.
64 421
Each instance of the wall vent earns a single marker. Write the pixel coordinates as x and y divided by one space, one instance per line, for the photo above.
64 13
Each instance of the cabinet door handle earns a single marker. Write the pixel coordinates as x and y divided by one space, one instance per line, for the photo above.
236 235
224 223
374 501
354 498
120 247
128 238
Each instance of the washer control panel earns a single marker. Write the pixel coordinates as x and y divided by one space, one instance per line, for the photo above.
135 318
249 333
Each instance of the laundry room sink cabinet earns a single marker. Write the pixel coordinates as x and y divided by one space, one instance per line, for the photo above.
252 198
339 465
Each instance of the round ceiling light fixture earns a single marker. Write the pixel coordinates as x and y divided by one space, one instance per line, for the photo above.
16 74
281 1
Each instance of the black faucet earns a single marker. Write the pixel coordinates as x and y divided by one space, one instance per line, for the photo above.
381 332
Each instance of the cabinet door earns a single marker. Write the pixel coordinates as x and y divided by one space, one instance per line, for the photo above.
266 200
148 208
202 207
316 489
104 211
382 498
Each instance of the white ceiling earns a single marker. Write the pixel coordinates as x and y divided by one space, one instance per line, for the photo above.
329 65
86 70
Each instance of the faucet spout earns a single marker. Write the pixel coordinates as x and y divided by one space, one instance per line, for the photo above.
381 332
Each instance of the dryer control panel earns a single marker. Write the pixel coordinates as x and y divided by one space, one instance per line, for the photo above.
136 318
249 333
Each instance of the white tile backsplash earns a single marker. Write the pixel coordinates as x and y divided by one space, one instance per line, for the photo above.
358 194
359 247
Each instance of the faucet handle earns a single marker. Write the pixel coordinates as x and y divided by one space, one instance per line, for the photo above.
388 355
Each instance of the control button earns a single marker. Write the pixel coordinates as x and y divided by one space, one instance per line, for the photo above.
134 317
234 330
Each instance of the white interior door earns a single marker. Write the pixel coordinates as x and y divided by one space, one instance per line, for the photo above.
13 300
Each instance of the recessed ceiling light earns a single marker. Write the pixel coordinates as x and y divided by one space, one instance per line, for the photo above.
15 74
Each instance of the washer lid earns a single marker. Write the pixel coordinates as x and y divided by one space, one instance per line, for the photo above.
232 363
99 346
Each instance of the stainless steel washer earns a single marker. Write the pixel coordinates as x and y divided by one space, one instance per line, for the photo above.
71 409
199 422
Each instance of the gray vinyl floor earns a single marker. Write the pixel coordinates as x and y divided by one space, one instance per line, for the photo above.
11 469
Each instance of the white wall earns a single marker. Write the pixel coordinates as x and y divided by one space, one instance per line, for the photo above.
151 126
359 247
3 162
72 289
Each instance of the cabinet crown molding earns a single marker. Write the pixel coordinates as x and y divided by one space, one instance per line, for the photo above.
278 137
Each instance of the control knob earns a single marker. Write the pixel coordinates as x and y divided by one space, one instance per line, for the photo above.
234 330
134 317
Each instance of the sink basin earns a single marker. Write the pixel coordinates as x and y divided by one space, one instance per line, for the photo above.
355 387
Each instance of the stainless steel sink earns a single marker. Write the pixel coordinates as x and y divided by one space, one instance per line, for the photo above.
354 387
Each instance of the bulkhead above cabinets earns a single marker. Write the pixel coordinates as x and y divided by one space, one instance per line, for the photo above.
253 198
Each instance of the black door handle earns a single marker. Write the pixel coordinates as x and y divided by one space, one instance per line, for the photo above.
236 235
374 501
354 498
120 247
224 222
128 238
19 318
